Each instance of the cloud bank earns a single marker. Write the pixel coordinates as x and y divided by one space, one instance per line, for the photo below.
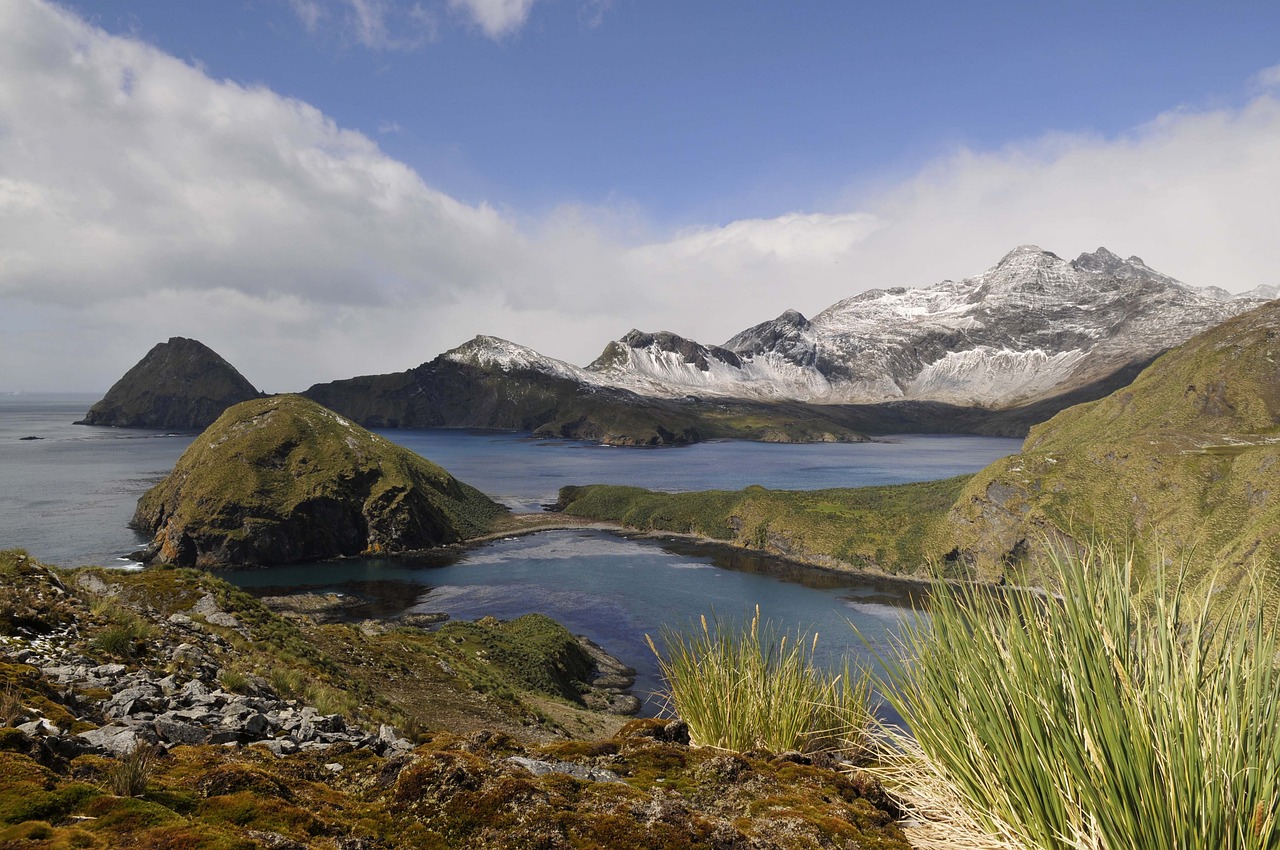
141 199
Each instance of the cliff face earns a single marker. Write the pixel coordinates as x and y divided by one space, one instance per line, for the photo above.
181 383
282 479
1187 454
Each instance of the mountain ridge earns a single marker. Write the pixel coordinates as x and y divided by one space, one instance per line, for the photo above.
1030 327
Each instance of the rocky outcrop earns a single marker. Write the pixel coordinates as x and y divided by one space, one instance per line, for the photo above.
282 480
181 383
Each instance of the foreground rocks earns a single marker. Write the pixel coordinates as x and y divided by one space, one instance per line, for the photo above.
151 677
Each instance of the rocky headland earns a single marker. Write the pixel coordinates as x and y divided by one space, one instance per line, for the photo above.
282 479
179 384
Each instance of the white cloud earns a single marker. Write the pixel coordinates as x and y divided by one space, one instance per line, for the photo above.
497 18
1267 78
140 199
374 24
309 12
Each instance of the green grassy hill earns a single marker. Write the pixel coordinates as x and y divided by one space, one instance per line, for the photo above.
883 529
1186 454
283 479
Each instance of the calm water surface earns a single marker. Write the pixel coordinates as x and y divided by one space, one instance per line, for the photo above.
68 496
615 591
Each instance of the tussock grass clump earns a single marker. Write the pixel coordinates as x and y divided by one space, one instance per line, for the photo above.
753 688
129 776
1102 718
124 639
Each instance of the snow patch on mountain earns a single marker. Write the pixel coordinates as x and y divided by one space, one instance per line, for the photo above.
491 352
986 376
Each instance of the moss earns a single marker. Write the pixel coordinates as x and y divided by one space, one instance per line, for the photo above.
532 651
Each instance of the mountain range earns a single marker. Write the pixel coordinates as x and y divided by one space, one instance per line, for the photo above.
994 353
1031 327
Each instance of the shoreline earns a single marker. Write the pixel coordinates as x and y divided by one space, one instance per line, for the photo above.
553 521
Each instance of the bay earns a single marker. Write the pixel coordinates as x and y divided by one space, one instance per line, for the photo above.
67 497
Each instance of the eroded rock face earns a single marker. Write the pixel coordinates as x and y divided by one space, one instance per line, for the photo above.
283 480
181 383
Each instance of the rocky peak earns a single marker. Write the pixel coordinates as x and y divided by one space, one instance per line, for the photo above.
181 383
689 351
1102 260
491 352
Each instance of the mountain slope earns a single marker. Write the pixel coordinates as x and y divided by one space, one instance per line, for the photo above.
491 383
1032 327
181 383
1187 453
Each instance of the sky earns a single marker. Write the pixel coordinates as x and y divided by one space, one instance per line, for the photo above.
323 188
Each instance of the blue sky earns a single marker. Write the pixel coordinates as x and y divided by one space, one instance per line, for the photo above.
319 188
707 112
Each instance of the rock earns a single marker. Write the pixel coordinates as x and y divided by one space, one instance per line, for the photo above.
179 384
280 746
116 739
41 727
577 771
422 619
308 485
176 731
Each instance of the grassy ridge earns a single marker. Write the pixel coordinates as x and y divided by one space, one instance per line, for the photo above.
1186 454
895 529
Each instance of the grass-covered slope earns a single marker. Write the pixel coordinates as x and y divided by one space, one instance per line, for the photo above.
892 529
282 479
181 383
1188 452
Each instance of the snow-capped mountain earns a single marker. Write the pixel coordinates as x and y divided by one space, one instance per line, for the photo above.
491 352
1031 327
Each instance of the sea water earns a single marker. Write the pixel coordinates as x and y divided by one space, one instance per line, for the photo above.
68 496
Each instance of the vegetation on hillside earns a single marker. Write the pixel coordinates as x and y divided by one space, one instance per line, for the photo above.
1186 454
489 705
283 479
893 529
